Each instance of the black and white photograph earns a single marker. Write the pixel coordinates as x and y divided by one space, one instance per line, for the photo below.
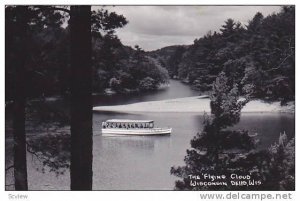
149 98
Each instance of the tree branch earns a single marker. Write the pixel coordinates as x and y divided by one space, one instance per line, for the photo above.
276 68
6 169
32 152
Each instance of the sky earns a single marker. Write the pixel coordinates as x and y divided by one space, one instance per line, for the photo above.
154 27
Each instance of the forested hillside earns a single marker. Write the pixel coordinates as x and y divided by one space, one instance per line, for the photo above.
259 56
124 69
169 57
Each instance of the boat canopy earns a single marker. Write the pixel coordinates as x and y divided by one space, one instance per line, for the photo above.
128 121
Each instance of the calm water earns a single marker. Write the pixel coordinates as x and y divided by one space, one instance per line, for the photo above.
143 163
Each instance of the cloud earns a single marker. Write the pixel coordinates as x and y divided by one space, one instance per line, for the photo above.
153 27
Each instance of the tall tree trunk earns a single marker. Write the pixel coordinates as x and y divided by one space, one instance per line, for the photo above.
20 165
81 98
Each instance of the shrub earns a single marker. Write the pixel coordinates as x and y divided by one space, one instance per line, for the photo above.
147 84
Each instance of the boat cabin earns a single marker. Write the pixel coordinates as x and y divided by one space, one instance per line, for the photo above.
128 124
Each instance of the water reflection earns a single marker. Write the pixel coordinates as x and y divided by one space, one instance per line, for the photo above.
177 89
267 126
134 142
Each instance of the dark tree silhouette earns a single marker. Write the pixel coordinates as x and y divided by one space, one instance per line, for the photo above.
81 98
21 22
20 166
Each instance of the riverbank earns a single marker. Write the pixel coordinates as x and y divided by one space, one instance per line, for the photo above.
197 104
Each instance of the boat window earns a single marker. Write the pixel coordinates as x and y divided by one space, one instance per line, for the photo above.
120 124
151 125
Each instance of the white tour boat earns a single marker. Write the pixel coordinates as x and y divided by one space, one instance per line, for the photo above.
127 127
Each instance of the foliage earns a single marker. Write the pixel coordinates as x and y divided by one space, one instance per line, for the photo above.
114 83
147 84
44 36
225 103
261 54
53 151
169 58
217 148
128 66
280 174
275 166
106 21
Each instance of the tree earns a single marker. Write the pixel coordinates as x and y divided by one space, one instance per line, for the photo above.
21 22
20 165
279 174
81 19
174 60
217 149
228 28
147 84
254 25
81 98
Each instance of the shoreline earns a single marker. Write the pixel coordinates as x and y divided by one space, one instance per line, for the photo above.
194 104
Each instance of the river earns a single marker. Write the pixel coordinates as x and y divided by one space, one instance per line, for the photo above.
143 163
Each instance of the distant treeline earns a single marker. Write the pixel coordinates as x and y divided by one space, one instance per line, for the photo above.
259 56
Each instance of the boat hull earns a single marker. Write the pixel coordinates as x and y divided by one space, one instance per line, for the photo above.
135 132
